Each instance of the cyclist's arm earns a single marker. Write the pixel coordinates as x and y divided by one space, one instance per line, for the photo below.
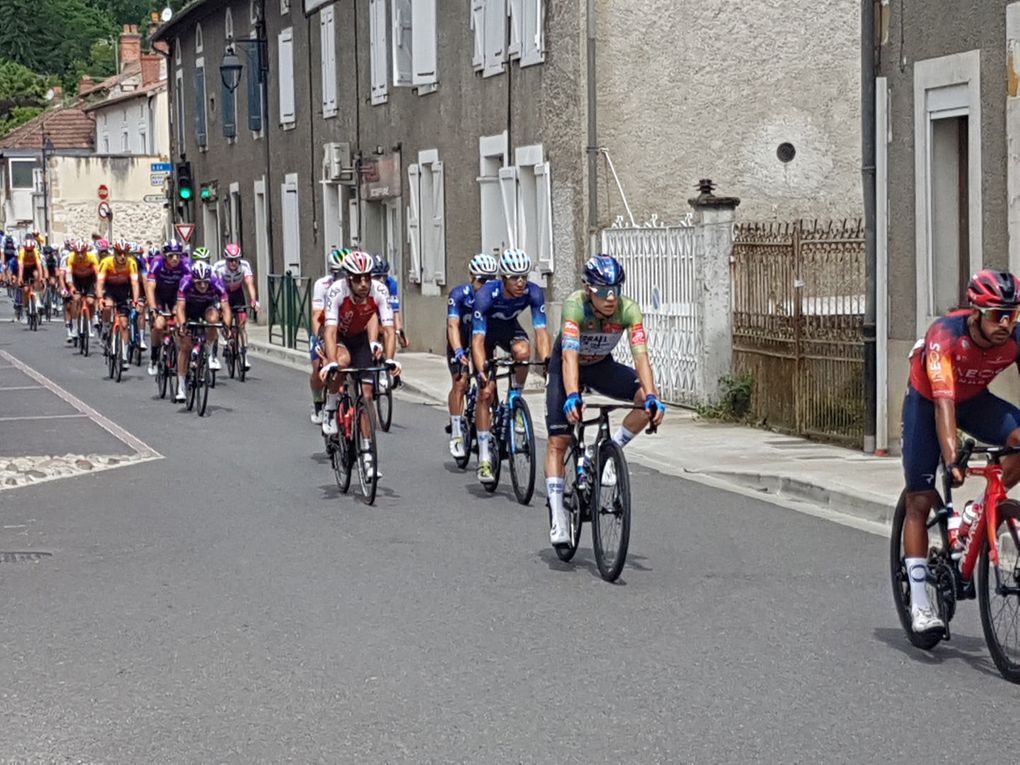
225 306
945 426
150 293
134 287
329 339
538 320
389 341
478 350
249 282
179 310
483 302
101 284
453 332
544 344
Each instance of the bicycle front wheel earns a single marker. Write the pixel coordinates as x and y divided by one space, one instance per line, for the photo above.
161 372
999 592
610 512
521 438
573 503
937 561
365 449
203 376
118 356
242 361
230 357
384 406
495 447
340 449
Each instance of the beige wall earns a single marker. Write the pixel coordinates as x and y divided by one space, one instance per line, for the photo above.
709 89
146 121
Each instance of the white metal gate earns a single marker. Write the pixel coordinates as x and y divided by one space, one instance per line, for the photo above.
662 276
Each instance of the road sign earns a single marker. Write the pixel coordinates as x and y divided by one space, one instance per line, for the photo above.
185 230
157 179
154 198
105 211
104 192
161 167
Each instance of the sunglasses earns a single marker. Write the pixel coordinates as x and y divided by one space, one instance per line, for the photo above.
519 279
999 315
200 282
361 278
604 293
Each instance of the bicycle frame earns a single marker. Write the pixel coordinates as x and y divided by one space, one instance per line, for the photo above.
995 492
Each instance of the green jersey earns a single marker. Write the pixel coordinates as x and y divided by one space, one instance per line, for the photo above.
595 337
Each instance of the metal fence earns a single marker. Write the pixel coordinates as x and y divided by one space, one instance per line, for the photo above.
662 276
290 310
798 317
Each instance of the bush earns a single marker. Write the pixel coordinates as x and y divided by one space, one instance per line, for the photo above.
734 403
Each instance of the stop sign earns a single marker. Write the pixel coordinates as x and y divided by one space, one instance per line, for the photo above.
104 192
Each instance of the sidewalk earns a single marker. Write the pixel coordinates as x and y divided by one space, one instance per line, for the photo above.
741 458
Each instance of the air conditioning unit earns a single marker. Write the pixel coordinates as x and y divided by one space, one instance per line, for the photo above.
338 162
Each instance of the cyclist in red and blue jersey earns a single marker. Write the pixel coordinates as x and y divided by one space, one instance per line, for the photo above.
950 370
460 311
495 325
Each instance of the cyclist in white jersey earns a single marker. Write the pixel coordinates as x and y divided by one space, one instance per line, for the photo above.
237 277
316 346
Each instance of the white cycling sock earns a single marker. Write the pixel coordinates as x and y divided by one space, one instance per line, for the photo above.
483 446
917 571
554 489
456 425
623 437
332 401
180 382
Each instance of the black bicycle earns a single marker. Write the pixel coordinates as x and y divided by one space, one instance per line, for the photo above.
470 433
235 352
597 490
200 376
166 358
513 433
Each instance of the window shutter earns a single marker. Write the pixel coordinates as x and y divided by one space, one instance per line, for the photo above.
478 28
533 39
437 244
286 48
423 42
327 50
377 49
516 13
255 109
495 37
413 229
200 132
543 187
229 113
402 52
508 192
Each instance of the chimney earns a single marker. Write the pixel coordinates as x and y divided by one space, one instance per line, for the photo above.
58 93
151 64
85 85
130 46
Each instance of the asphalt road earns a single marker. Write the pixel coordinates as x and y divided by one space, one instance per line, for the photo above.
223 603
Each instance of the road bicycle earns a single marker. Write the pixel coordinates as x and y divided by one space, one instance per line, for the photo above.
512 431
200 377
470 434
31 306
113 342
354 444
992 548
134 338
235 351
84 325
166 358
384 399
597 491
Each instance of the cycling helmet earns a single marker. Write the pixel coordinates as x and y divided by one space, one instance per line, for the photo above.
603 271
358 262
201 254
79 245
483 264
121 247
381 267
201 271
137 249
47 250
335 260
993 289
172 245
29 244
102 245
514 263
232 252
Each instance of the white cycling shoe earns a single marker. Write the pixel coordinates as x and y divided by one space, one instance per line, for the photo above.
316 417
179 397
329 425
457 447
559 534
214 364
926 620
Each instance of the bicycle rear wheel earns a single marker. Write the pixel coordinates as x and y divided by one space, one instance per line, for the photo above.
521 439
365 449
999 592
340 454
229 357
384 405
610 511
161 371
202 378
242 361
573 503
495 448
118 356
469 429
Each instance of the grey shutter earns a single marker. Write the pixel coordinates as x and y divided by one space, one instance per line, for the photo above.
229 113
255 89
200 132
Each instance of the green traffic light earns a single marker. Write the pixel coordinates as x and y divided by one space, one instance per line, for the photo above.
184 192
206 194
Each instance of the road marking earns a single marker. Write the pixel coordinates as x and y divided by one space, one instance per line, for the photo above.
22 387
44 417
140 447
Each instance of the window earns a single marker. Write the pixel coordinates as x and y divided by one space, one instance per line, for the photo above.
534 201
377 49
498 193
200 121
228 24
426 222
106 144
180 116
199 41
327 52
143 139
284 7
286 51
528 16
291 231
489 23
21 173
413 44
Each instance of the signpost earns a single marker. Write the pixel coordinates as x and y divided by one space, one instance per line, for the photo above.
154 198
185 230
104 192
105 211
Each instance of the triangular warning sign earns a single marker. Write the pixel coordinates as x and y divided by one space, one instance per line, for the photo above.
185 230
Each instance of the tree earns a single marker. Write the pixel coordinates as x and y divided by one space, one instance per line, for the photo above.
24 33
22 95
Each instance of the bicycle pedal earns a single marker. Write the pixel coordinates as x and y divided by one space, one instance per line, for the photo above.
448 429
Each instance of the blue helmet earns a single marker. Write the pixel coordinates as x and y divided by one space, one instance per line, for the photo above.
381 267
173 245
603 271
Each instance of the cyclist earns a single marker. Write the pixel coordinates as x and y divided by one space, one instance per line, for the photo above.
161 286
950 370
495 325
117 285
31 267
237 277
80 275
9 263
138 253
482 268
317 350
52 260
356 307
381 273
65 291
200 255
200 296
594 319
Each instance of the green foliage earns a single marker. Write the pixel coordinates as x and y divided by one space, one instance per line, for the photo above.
17 117
22 95
734 403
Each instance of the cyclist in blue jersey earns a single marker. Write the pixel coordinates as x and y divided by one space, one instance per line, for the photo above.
460 311
495 325
381 273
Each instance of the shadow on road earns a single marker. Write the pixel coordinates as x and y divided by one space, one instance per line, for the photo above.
971 650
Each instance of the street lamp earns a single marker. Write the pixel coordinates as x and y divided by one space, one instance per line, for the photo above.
230 69
230 66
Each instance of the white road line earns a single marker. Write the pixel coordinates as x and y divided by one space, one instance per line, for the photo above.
142 448
22 387
44 417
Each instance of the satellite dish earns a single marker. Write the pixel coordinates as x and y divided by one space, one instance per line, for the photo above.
50 94
167 14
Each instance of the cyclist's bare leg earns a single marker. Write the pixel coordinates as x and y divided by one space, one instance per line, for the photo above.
521 351
554 455
458 390
915 526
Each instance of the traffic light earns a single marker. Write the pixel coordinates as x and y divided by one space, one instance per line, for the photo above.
185 184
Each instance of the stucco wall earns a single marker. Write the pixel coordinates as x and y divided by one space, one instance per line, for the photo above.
709 89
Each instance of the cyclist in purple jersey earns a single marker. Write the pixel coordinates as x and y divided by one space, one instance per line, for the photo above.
161 285
200 296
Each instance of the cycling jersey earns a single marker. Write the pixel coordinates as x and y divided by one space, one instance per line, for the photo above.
319 290
947 363
233 280
493 306
594 337
352 318
28 258
394 291
461 306
115 275
167 279
82 264
196 302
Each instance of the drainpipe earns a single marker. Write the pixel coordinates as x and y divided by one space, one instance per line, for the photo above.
593 140
261 34
868 182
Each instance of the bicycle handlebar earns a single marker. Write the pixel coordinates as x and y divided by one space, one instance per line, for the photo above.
605 409
970 448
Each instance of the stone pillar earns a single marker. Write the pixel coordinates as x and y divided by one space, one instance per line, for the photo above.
713 243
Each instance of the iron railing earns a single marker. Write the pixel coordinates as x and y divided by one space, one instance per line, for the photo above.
290 315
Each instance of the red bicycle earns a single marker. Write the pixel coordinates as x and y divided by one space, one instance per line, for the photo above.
991 547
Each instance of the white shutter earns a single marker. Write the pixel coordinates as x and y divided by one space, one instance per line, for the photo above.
437 244
533 39
402 52
495 37
543 188
413 228
516 12
478 28
377 49
286 52
328 54
423 42
508 192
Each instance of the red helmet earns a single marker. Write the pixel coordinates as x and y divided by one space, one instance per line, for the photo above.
993 289
30 244
232 252
121 246
358 263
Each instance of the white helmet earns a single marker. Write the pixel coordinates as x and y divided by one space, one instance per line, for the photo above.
514 263
483 264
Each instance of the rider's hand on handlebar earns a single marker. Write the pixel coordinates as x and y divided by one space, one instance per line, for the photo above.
394 367
958 474
655 408
326 369
573 407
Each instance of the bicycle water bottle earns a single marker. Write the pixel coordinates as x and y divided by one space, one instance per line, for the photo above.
582 471
971 512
